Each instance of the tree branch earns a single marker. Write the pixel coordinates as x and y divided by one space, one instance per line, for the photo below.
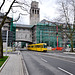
67 19
3 21
13 11
22 8
22 3
2 4
74 17
64 31
19 17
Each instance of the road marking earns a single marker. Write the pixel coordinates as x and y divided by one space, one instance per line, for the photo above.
61 59
65 71
43 60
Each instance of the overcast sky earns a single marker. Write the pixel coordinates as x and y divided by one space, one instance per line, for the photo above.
47 10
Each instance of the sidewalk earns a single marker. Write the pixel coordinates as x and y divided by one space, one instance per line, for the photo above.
13 66
69 53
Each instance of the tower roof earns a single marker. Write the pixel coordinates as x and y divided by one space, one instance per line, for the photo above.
34 4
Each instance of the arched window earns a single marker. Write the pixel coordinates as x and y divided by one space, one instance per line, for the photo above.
37 11
33 11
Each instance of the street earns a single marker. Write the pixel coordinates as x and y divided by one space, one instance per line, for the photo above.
39 63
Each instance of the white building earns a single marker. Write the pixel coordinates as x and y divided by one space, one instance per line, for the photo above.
23 32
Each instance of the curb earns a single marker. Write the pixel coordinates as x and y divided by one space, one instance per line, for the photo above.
4 64
25 71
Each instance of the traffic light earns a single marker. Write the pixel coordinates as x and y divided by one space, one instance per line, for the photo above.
13 43
57 33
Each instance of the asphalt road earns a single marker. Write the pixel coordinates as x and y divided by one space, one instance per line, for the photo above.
39 63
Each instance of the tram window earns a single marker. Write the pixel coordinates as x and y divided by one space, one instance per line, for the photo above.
41 46
38 46
35 46
28 46
45 46
32 46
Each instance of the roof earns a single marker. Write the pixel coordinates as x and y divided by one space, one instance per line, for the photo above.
23 26
38 44
46 22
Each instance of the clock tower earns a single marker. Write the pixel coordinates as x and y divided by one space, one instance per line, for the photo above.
34 13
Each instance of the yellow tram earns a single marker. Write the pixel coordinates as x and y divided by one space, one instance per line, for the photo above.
38 47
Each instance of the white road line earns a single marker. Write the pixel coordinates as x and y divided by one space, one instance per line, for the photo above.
43 60
61 59
65 71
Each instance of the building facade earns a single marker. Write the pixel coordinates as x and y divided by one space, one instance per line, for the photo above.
23 35
23 32
34 13
45 32
7 24
6 29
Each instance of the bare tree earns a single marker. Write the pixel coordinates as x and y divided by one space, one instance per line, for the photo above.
14 3
67 15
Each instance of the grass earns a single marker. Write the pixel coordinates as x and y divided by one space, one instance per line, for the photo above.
2 60
7 50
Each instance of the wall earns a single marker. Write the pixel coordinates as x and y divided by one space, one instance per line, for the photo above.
23 34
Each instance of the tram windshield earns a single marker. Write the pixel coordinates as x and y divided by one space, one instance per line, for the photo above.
45 46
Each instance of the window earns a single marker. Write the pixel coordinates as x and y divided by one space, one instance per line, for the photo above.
38 46
33 11
30 35
35 46
45 46
41 46
28 46
37 11
32 46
